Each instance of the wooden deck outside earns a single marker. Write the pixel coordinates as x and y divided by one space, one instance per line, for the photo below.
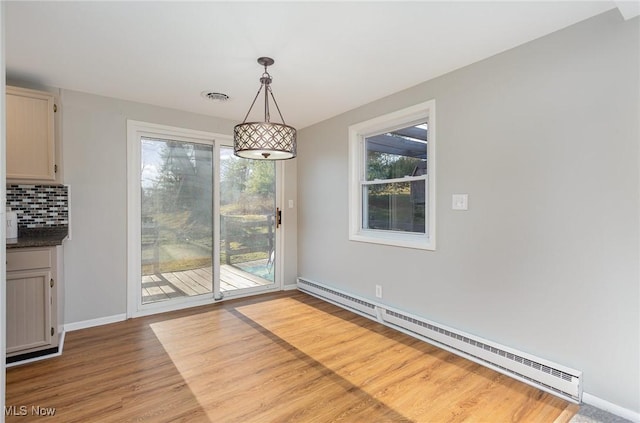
164 286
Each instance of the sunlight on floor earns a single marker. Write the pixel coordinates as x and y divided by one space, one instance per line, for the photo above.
223 388
333 367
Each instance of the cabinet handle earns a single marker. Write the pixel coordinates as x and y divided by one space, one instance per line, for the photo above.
51 283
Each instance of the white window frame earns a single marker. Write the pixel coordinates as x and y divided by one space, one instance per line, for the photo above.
413 115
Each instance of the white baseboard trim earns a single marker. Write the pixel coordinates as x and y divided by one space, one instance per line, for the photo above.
69 327
63 333
42 357
587 398
290 287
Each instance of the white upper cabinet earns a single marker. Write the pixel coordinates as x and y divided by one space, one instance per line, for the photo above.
30 135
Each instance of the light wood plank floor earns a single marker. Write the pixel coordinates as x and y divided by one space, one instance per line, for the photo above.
164 286
284 357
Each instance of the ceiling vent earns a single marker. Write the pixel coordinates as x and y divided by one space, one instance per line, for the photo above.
214 96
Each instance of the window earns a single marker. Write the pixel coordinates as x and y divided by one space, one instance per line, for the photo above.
392 187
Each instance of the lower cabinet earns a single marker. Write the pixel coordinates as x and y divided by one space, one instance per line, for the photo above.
31 300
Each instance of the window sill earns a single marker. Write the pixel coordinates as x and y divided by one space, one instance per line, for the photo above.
395 239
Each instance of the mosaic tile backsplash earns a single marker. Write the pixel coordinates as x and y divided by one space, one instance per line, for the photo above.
39 206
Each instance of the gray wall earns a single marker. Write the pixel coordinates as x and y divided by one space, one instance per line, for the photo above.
94 143
544 139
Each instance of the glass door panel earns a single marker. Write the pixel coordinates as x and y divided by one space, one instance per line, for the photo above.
176 219
247 222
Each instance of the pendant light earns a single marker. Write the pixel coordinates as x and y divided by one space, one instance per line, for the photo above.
264 140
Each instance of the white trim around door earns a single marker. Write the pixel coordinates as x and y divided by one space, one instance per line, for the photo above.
136 131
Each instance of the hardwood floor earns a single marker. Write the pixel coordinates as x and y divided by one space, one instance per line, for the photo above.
284 357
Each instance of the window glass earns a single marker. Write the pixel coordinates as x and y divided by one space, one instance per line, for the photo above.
395 206
176 219
397 154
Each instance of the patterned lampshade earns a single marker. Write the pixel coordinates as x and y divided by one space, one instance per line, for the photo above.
264 140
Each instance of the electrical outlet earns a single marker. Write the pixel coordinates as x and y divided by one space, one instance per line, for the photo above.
379 291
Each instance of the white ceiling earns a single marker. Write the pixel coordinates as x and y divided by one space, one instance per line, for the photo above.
330 56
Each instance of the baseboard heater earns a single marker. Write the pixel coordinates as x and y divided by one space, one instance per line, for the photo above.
543 374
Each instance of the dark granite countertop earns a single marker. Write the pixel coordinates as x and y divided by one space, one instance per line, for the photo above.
39 237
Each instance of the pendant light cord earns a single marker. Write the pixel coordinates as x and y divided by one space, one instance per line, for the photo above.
254 102
265 81
276 103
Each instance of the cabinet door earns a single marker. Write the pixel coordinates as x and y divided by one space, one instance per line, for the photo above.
30 135
28 310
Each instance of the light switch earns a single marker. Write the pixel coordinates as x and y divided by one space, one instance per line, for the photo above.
290 204
460 202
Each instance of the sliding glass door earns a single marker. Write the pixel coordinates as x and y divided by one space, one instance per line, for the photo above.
202 222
